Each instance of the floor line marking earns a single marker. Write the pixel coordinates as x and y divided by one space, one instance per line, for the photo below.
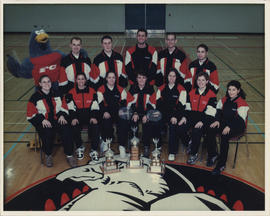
19 139
228 48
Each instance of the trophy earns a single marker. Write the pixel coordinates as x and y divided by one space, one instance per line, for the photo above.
109 165
156 165
134 160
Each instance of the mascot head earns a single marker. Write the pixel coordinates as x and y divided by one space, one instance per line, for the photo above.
39 43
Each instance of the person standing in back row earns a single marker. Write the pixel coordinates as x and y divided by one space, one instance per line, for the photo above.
202 64
106 61
141 57
171 57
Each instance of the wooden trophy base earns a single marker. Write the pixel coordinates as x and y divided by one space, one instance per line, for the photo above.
135 164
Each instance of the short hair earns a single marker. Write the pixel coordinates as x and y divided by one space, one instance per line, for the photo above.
142 30
203 46
81 73
171 33
43 76
107 74
76 38
205 75
106 37
141 73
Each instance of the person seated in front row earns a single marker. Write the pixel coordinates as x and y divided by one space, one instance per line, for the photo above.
47 112
142 101
111 98
171 101
232 114
84 110
201 111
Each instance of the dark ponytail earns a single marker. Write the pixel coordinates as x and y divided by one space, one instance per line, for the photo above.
237 85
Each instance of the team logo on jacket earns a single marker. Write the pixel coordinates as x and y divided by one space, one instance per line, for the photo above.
181 187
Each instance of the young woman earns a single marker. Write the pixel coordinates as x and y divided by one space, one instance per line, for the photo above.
171 101
84 110
48 114
201 111
112 97
232 113
142 100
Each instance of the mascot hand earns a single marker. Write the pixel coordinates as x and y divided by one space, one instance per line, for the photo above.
19 70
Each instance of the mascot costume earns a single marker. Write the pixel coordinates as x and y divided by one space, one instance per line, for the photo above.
42 61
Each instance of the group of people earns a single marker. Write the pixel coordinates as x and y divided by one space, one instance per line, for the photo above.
94 95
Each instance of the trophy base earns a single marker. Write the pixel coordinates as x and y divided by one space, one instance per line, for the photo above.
155 169
135 164
109 169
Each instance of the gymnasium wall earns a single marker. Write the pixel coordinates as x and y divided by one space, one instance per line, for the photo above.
65 18
219 18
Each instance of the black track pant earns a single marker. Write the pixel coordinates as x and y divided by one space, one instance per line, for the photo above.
196 135
122 130
47 136
235 130
93 132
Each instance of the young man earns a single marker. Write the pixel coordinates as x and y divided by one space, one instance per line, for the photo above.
141 57
75 62
108 60
202 63
140 101
171 57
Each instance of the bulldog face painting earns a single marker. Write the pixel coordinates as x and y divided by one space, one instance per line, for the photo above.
180 188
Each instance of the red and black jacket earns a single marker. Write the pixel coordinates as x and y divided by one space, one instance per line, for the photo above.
46 65
111 100
70 66
207 67
104 64
141 100
166 61
82 103
232 112
41 106
201 107
141 59
171 102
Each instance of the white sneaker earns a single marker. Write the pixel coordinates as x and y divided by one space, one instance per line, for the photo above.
80 152
94 155
171 157
122 150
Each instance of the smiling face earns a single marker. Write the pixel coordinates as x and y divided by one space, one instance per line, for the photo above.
107 45
201 53
202 82
45 84
141 37
172 77
233 92
141 80
81 81
171 41
75 46
111 78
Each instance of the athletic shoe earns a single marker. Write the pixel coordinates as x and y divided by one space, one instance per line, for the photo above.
218 170
122 150
211 160
48 160
171 157
192 159
71 161
146 151
94 155
80 152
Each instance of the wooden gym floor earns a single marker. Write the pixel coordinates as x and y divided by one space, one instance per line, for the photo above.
239 57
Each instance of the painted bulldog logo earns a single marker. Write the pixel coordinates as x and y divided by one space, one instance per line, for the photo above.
180 188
